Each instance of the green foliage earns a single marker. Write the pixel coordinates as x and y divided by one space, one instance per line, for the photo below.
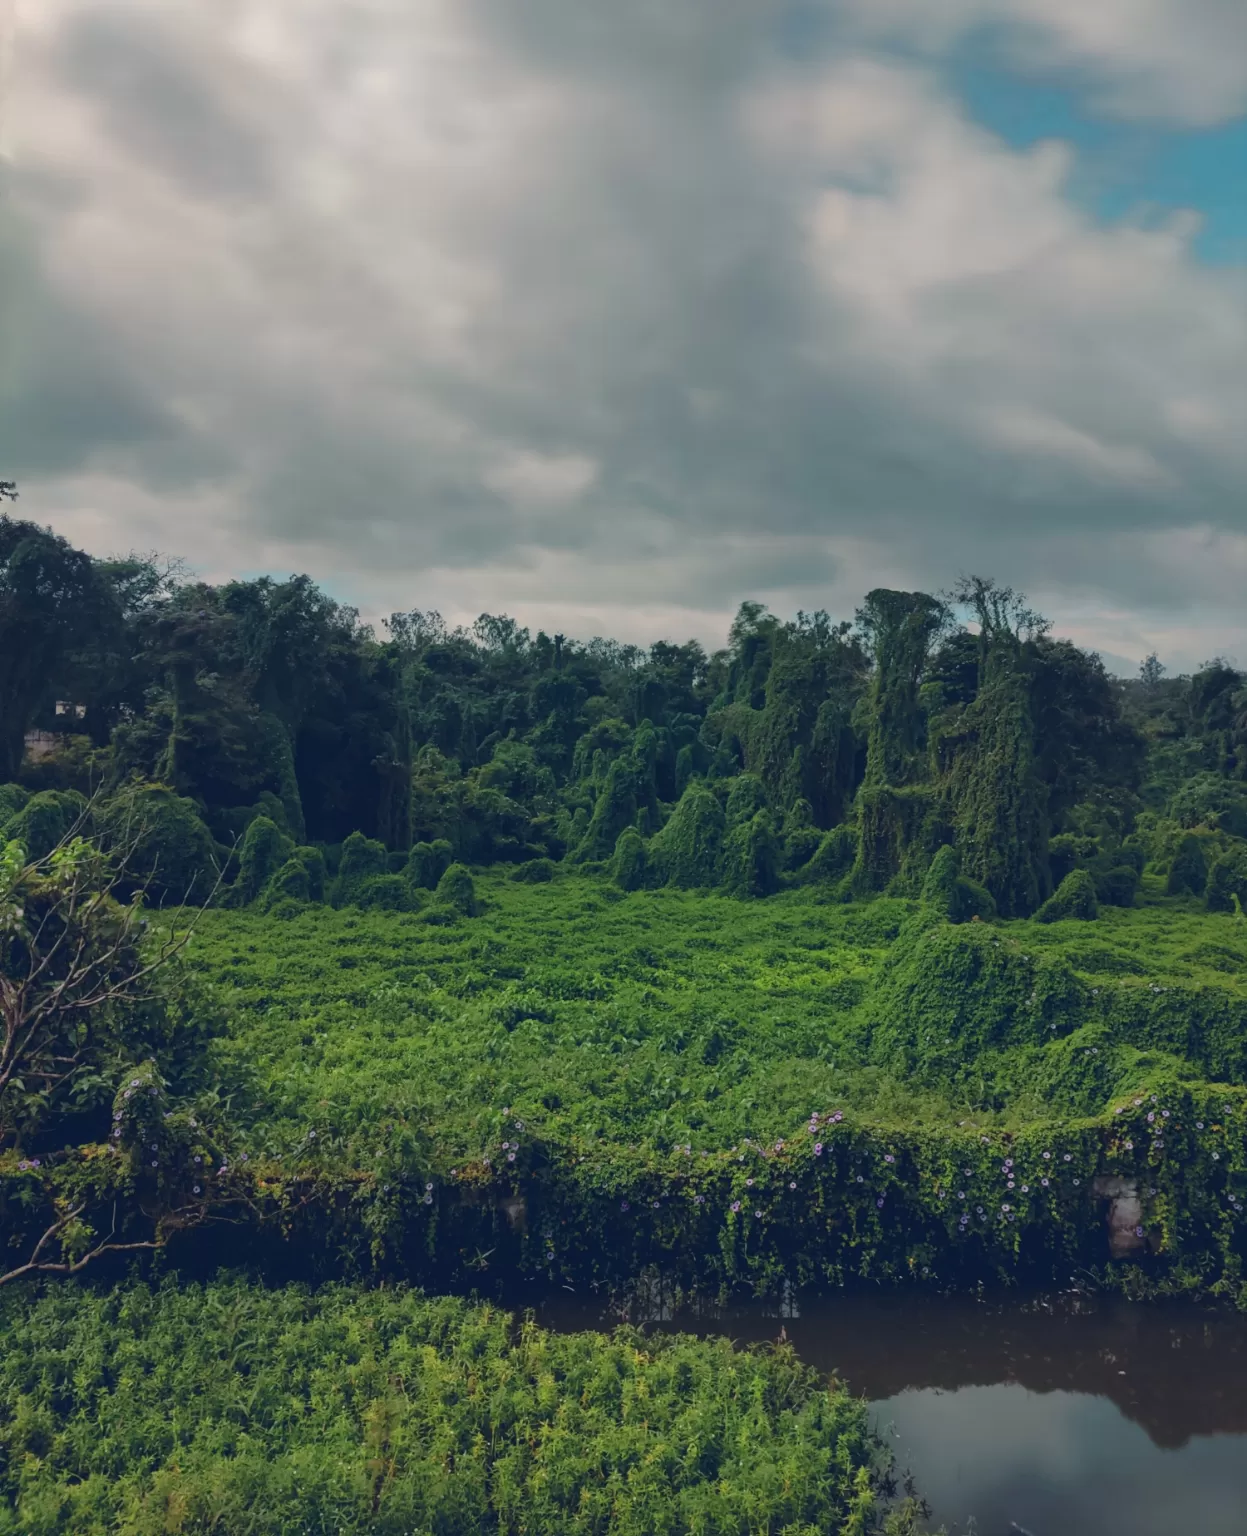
12 799
688 851
745 798
751 857
630 866
1074 898
44 820
265 848
832 859
1208 800
168 849
362 859
229 1407
428 862
893 825
1116 886
951 894
1227 879
386 893
457 889
534 872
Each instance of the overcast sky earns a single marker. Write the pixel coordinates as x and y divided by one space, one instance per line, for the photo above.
611 313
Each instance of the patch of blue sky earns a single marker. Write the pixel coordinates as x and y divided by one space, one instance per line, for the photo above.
1125 170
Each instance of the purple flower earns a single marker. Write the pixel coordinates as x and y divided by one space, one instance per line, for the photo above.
736 1205
655 1204
792 1183
1138 1231
837 1117
860 1180
510 1157
879 1202
34 1162
1129 1145
428 1186
195 1190
428 1199
1068 1158
153 1162
818 1149
1046 1156
1008 1162
1044 1182
505 1145
623 1205
748 1183
888 1158
1165 1114
1026 1189
757 1213
700 1199
961 1194
779 1146
1151 1116
1199 1125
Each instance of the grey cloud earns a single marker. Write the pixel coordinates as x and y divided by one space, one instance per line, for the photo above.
154 95
491 231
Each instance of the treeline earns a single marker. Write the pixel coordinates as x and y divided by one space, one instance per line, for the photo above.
258 738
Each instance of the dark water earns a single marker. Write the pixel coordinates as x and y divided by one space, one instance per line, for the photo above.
1060 1417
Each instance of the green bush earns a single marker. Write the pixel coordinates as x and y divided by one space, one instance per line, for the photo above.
44 820
13 797
688 851
1188 873
746 796
833 859
386 893
534 872
1075 897
428 862
950 893
457 889
630 868
1116 887
1226 879
751 858
362 858
265 849
235 1409
170 848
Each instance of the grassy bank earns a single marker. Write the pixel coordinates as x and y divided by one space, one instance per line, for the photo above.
580 1086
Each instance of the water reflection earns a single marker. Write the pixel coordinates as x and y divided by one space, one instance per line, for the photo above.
1065 1414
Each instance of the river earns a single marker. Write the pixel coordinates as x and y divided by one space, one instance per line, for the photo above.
1059 1416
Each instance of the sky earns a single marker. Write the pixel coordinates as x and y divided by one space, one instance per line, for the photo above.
609 316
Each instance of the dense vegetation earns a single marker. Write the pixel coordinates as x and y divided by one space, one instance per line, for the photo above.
271 1413
880 951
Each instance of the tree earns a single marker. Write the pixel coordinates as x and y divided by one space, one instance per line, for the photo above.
1151 671
84 1022
50 599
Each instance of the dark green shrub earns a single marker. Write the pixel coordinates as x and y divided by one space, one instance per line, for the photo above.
833 858
428 862
290 883
265 848
386 893
12 799
457 889
1188 874
951 894
362 857
1226 879
1208 800
688 851
1116 887
533 872
630 866
44 820
745 798
168 847
1075 897
751 858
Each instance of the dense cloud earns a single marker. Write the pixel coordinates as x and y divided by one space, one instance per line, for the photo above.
610 316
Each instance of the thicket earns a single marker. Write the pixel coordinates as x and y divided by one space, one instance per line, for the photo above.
228 1407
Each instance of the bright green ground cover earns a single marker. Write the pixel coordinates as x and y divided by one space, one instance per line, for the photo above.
638 1053
270 1413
